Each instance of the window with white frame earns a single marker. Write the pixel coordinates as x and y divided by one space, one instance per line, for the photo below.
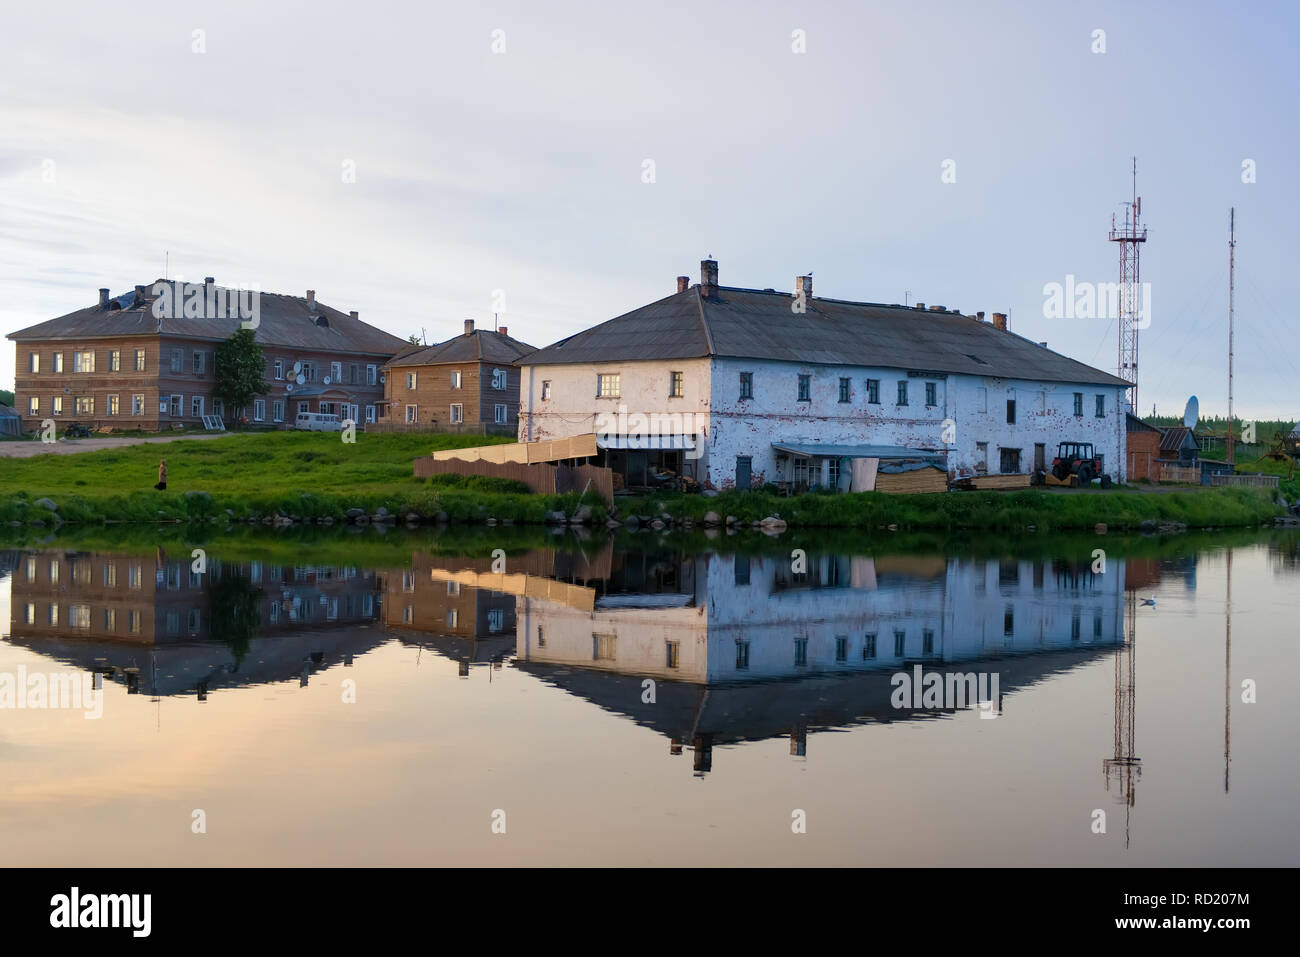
455 380
115 360
370 413
33 405
372 375
412 378
85 405
413 413
499 414
277 410
279 368
196 406
336 372
546 389
259 410
137 405
304 407
83 361
139 360
33 362
57 364
177 403
56 405
457 413
176 361
113 405
198 362
608 386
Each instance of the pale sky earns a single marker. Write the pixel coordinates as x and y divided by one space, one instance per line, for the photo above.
522 170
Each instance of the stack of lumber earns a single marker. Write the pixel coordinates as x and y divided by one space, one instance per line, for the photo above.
913 481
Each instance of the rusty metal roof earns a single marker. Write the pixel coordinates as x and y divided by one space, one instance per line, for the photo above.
760 324
288 321
1175 438
481 345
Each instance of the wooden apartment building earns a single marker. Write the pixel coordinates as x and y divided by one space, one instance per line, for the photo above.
117 365
469 383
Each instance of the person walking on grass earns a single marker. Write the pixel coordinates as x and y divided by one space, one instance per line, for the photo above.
162 476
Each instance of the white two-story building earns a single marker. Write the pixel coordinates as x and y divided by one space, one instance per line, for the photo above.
737 387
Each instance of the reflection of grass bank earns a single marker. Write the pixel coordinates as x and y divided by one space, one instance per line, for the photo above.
994 511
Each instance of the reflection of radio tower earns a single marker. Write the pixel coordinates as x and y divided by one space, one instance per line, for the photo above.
1130 238
1125 767
1227 666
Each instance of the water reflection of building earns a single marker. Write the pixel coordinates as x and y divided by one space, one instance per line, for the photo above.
747 648
159 626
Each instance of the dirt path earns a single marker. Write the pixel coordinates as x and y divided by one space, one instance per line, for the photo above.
25 450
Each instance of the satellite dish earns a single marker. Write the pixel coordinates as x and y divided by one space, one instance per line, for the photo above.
1191 413
297 367
289 387
300 379
326 380
383 379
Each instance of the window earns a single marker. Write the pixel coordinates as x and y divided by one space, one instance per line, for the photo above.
1011 411
602 647
196 406
198 362
372 375
805 387
900 640
1101 407
53 614
133 622
137 405
457 412
134 576
931 393
139 360
742 654
259 410
115 360
499 414
308 372
672 654
841 647
370 413
676 385
176 402
176 360
747 385
546 389
1096 625
844 389
1010 461
56 405
1075 625
110 619
873 391
58 362
1009 621
412 378
85 405
1078 403
336 372
869 646
29 614
607 385
927 641
741 569
218 407
33 406
33 362
833 473
277 410
800 651
83 362
541 637
279 369
902 392
456 381
112 405
500 378
79 617
304 407
413 413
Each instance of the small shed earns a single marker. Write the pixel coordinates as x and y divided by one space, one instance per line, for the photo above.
1179 446
1143 442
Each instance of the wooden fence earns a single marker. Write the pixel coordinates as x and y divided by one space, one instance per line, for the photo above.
1178 473
539 477
1249 481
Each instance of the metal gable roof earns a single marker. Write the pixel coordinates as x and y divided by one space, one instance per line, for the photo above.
482 345
748 323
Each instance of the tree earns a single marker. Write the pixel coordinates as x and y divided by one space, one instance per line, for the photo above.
239 370
413 340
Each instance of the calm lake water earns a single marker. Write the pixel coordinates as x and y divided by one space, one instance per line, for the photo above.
652 702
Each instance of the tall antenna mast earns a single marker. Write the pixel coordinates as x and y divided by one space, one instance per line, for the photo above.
1130 237
1232 265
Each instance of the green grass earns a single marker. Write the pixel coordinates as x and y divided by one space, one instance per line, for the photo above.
996 511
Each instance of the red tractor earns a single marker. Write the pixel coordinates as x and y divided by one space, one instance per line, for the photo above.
1076 463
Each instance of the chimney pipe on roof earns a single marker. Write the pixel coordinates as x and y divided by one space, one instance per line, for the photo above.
208 281
683 282
311 299
139 294
708 278
469 327
980 316
354 314
1000 321
919 305
803 286
503 330
103 298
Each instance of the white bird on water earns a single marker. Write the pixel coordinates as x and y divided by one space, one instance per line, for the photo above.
1148 601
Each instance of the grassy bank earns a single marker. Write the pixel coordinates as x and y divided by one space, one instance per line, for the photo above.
311 476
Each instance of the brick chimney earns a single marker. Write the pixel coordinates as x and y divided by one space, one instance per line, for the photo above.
979 316
354 314
209 282
311 299
139 294
708 278
683 283
469 327
1000 321
503 330
803 284
103 298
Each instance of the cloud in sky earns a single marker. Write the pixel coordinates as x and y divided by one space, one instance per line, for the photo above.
522 171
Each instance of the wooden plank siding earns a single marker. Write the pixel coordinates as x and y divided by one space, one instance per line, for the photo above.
540 477
433 395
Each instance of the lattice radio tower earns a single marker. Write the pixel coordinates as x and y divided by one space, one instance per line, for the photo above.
1130 238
